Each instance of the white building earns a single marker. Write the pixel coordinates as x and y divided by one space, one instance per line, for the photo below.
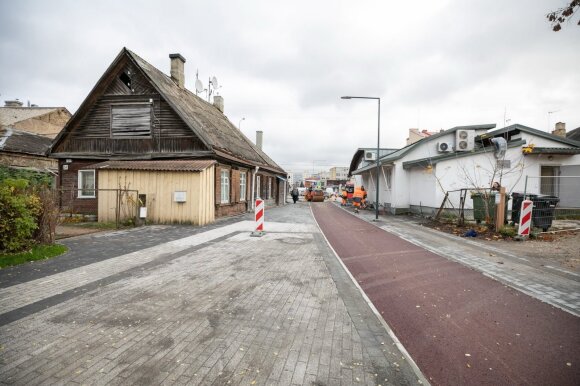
417 177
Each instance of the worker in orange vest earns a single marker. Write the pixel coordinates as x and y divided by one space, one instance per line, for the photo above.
363 204
357 197
343 196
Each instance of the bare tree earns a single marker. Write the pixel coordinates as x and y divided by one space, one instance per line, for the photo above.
559 16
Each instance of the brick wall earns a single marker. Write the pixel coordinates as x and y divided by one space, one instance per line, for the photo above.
68 186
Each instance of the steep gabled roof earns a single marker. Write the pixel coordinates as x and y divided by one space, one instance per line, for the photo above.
16 141
205 120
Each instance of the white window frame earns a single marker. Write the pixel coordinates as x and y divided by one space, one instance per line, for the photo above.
269 188
80 181
243 186
225 186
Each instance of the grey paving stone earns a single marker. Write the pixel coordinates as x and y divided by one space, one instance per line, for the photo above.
213 307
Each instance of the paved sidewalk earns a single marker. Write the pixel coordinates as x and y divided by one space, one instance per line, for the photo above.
216 307
555 286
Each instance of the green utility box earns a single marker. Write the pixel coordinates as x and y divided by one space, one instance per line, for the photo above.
479 207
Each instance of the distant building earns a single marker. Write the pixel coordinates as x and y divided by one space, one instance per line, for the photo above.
45 121
338 173
417 135
26 134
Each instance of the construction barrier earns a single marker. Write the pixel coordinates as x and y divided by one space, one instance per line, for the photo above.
525 218
259 214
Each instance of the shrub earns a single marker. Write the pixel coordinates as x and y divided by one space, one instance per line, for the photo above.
507 231
19 209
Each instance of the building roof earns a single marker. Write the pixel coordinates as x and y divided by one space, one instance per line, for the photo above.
359 153
430 161
516 128
166 165
16 141
204 119
11 115
555 150
574 134
572 148
403 151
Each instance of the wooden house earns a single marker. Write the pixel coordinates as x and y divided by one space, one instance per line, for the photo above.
140 129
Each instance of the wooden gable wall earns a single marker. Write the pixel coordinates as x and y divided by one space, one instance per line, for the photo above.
91 134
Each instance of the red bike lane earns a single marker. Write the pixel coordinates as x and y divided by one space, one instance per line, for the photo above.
460 327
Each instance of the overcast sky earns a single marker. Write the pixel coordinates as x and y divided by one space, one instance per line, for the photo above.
283 65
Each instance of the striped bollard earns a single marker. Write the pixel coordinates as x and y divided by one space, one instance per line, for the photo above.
259 214
525 219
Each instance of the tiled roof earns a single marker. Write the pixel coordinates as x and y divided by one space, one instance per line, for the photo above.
12 115
16 141
168 165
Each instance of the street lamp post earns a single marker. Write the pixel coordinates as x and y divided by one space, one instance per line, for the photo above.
378 147
240 124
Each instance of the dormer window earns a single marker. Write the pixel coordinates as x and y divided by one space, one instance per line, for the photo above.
131 120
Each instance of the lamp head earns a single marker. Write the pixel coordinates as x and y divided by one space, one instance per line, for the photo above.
345 97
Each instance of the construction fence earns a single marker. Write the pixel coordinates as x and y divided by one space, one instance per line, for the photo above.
555 198
119 206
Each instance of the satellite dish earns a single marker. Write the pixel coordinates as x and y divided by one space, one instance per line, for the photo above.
214 82
198 85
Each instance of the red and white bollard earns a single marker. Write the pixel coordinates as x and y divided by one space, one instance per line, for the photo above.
259 214
525 218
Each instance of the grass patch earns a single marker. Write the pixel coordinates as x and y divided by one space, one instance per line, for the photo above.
95 225
38 252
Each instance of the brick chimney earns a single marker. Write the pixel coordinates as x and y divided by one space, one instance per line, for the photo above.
177 74
13 103
259 135
560 129
218 101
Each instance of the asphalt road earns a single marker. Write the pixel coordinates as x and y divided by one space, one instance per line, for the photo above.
460 326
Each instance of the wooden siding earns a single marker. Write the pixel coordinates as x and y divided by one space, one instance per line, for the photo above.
92 134
159 188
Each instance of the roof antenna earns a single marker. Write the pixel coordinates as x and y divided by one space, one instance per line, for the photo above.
213 82
198 85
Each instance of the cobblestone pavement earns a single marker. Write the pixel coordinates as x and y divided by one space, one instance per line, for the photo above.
214 306
556 286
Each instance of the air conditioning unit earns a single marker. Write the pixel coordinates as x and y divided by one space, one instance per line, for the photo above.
370 156
464 140
443 147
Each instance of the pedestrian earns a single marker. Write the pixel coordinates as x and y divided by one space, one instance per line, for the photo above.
295 195
344 197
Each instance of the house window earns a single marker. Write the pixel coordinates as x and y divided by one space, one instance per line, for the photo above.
269 187
86 184
242 186
131 121
225 186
